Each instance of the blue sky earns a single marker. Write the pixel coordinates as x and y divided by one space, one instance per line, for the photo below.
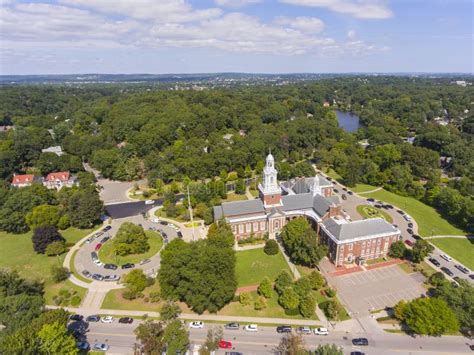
265 36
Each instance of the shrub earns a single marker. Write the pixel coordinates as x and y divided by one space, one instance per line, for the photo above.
129 295
271 247
289 298
397 249
302 287
135 280
75 301
59 273
265 288
245 298
155 296
169 311
308 306
146 299
283 281
64 222
260 303
56 248
330 292
316 280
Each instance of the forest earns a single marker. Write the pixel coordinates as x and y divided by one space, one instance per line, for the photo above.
419 132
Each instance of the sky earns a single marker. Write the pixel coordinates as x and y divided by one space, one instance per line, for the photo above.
252 36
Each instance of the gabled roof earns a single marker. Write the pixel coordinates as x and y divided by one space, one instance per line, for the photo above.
343 230
305 185
321 204
237 208
23 179
62 176
297 202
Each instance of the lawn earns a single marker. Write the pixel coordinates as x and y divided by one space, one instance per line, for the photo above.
273 309
107 256
114 300
361 188
54 289
231 196
422 267
428 219
332 174
367 211
460 249
253 265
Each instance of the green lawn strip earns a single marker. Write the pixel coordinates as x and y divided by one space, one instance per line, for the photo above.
304 270
375 261
361 188
367 211
422 267
428 219
52 290
73 270
253 265
231 196
107 256
273 309
114 300
254 192
162 213
460 249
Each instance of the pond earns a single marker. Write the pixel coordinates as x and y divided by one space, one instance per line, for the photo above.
348 121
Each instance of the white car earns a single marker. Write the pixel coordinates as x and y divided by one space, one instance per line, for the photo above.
251 328
149 202
97 262
100 347
407 217
321 331
446 257
107 319
196 324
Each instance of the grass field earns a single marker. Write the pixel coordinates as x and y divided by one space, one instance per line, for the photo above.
106 253
231 196
361 188
460 249
273 309
428 219
253 265
114 300
372 212
53 289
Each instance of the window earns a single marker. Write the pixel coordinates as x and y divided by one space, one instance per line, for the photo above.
247 228
241 228
277 224
350 246
255 226
262 225
234 228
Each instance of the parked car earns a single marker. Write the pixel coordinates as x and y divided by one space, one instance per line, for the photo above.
390 207
111 278
447 271
446 257
94 255
149 202
233 353
370 200
107 319
410 225
360 341
164 235
76 317
336 190
107 228
99 234
86 273
232 326
94 318
357 353
462 269
89 240
345 189
416 236
321 331
180 235
225 344
471 276
83 345
407 217
97 262
304 330
434 261
98 277
110 266
128 266
409 242
100 347
103 240
410 231
196 324
126 320
284 329
344 197
164 223
349 192
251 328
145 261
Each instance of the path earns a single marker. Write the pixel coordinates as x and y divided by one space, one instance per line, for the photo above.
368 192
450 236
248 194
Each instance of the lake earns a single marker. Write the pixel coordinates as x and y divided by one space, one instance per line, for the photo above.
348 121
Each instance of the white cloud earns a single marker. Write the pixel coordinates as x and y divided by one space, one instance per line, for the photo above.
236 3
304 24
157 10
351 34
363 9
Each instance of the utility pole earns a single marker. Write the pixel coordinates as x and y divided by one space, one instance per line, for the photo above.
191 214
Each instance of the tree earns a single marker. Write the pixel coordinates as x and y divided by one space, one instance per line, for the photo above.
135 280
59 273
397 249
302 243
302 287
421 250
213 338
328 349
271 247
399 310
291 344
265 288
56 248
437 279
289 298
169 311
430 316
283 281
44 236
245 298
64 222
150 335
42 215
332 308
240 187
316 280
130 239
175 337
55 339
308 306
84 208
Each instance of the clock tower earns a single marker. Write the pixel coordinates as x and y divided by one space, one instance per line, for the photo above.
269 190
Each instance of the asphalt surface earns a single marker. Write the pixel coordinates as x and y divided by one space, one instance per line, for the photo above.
83 260
133 208
121 339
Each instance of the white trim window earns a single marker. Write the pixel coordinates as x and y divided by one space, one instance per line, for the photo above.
262 225
248 227
255 226
350 246
241 228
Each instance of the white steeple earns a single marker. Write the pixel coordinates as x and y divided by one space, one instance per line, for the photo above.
270 182
316 188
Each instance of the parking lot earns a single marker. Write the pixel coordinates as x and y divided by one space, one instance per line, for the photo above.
375 289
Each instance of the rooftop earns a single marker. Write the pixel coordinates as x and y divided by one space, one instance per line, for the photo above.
237 208
343 230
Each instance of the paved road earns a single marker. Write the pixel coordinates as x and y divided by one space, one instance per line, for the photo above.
133 208
121 339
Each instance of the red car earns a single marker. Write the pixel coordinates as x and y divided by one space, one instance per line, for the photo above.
98 246
225 344
409 242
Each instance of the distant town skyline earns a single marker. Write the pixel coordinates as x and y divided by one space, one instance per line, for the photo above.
248 36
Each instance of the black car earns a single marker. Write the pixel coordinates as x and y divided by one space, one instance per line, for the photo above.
233 353
110 266
232 326
344 189
370 200
360 341
126 320
284 329
86 273
180 235
76 317
94 318
447 271
410 231
335 190
164 223
350 192
164 235
107 228
344 197
378 206
416 236
103 240
357 353
462 269
94 255
410 225
97 277
434 261
471 276
128 266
